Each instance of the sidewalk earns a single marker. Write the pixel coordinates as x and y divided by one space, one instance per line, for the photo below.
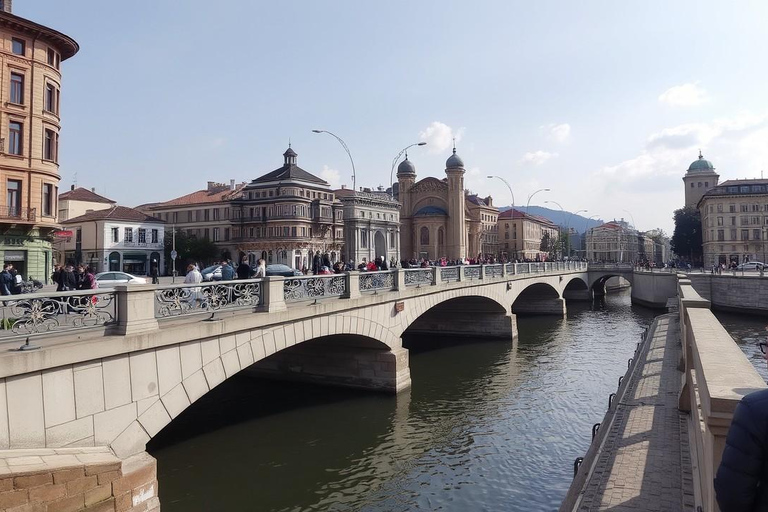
644 462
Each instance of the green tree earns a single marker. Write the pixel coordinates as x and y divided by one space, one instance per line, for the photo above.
190 249
686 241
552 245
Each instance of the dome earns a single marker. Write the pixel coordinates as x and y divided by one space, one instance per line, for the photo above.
701 165
289 152
406 168
454 161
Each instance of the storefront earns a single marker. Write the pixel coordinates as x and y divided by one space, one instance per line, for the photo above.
135 263
19 261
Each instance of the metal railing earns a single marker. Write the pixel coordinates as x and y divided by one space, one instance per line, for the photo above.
492 271
472 272
56 312
176 300
297 289
374 281
18 213
418 276
449 274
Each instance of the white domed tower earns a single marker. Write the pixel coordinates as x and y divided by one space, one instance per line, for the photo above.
701 177
456 245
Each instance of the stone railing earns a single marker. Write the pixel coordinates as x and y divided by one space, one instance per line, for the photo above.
717 376
56 312
176 300
627 267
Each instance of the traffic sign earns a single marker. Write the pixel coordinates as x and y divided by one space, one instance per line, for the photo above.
174 255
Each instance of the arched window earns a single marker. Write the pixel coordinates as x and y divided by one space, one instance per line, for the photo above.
424 235
440 238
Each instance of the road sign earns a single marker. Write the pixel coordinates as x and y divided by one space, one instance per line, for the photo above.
174 255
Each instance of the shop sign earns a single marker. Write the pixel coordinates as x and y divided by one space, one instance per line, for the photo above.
13 240
64 233
15 256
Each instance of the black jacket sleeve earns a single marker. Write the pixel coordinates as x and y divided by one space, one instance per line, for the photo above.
740 471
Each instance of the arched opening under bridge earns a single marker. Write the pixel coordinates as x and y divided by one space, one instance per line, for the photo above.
610 282
577 290
539 299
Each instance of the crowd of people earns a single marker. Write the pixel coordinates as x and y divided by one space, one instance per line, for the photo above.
68 278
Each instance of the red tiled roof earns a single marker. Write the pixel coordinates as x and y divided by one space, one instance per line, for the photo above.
114 213
201 196
83 194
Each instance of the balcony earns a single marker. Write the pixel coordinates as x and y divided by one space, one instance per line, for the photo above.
16 214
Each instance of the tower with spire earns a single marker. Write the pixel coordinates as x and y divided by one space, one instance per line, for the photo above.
700 178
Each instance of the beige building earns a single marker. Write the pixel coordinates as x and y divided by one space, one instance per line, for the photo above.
79 201
521 235
31 57
371 225
613 242
699 178
734 217
483 226
438 219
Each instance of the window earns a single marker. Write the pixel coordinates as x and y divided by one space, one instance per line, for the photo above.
216 214
207 214
51 99
142 236
424 235
692 184
733 234
128 235
18 46
706 184
720 235
744 207
215 234
13 199
50 145
226 234
175 217
190 213
756 234
745 234
47 199
15 146
17 88
755 207
115 234
207 234
733 221
363 238
755 220
719 221
54 59
732 208
699 184
155 236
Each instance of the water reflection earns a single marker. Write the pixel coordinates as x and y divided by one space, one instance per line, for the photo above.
747 331
486 425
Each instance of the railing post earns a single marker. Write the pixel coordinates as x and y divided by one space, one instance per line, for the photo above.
529 268
482 271
462 275
274 294
352 285
503 270
400 279
436 277
135 308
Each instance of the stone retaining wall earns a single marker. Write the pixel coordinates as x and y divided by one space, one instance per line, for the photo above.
72 479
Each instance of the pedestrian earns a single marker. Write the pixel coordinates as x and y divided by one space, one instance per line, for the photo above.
227 272
155 273
55 275
741 483
244 270
88 281
193 277
261 269
6 280
68 279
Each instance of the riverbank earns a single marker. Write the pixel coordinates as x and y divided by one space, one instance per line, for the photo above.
640 459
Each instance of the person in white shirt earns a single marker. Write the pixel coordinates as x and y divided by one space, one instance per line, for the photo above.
193 277
261 270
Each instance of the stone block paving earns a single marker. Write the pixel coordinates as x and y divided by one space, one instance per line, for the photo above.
644 463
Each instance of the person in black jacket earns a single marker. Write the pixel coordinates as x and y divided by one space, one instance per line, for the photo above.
741 483
244 270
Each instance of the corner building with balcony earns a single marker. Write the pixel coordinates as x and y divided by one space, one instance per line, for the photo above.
31 56
286 216
371 225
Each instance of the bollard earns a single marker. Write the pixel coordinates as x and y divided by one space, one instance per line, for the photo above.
576 465
610 400
595 430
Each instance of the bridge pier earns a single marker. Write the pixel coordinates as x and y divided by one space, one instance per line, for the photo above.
541 307
578 295
339 361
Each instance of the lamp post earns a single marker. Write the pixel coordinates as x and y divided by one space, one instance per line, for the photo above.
344 145
513 214
394 162
508 186
530 196
559 235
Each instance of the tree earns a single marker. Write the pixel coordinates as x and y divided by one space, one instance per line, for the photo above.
686 241
550 245
190 249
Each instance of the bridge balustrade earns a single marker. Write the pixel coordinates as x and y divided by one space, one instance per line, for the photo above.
57 312
449 274
419 276
375 281
472 271
494 270
296 289
176 300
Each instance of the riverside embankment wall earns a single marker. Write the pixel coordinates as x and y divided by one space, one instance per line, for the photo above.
653 289
738 293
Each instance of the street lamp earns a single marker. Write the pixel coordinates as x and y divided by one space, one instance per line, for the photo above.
559 235
344 145
508 186
394 162
530 196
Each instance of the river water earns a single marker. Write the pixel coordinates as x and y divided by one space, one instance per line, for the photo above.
485 426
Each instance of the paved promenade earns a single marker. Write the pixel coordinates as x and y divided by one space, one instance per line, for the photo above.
644 462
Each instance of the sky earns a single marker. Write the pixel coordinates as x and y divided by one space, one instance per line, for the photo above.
605 103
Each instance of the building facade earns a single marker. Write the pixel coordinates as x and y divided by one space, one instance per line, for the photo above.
79 201
483 234
371 225
115 239
613 242
31 58
437 218
521 234
699 178
734 218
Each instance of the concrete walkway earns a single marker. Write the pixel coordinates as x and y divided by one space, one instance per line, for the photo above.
644 462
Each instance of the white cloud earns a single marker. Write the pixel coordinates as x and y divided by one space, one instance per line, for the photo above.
686 95
332 176
537 157
439 136
558 132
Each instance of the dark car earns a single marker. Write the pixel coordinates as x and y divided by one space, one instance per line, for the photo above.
278 269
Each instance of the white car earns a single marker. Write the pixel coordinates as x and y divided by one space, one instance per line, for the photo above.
751 265
107 279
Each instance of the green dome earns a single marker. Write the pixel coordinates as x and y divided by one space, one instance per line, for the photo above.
701 165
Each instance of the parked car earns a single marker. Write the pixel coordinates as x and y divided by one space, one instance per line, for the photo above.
212 273
751 265
278 269
107 279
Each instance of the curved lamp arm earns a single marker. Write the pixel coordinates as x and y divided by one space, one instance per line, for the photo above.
344 145
508 186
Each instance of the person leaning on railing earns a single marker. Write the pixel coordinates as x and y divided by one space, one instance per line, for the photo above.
741 483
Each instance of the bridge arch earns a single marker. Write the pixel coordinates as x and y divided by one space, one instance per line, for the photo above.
598 281
475 316
539 299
